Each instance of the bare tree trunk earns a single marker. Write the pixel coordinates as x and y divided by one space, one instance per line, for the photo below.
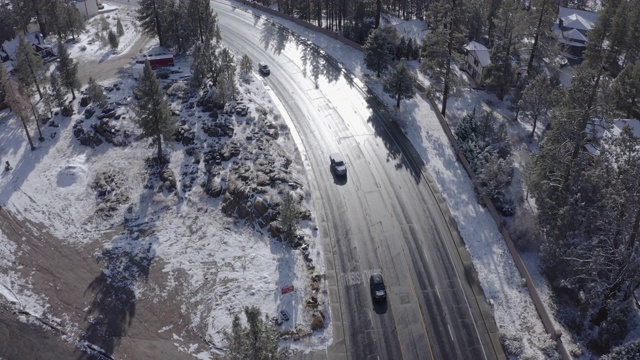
447 80
35 116
26 130
159 140
535 38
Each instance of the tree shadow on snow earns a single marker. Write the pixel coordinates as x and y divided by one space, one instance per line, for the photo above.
274 37
398 146
127 261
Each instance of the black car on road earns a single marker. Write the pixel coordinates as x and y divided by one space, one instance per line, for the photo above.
378 290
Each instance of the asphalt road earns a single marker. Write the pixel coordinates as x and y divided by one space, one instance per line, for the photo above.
383 217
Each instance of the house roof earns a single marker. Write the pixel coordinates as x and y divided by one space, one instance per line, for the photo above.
574 34
619 124
576 21
481 51
584 17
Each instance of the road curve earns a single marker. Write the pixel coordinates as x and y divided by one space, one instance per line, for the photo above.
383 217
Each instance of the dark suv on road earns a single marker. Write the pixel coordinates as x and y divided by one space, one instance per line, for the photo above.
337 164
264 68
378 290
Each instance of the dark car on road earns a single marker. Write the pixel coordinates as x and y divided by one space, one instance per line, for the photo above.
378 290
264 68
337 164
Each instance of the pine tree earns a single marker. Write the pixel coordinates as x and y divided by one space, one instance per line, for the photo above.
495 175
537 99
500 73
377 51
246 65
18 104
8 24
119 28
68 70
626 90
152 110
57 92
400 84
401 49
289 216
259 340
544 13
227 78
205 20
632 48
151 19
96 93
73 21
104 24
440 45
198 67
113 40
28 66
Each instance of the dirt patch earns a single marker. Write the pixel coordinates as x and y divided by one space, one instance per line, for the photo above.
84 306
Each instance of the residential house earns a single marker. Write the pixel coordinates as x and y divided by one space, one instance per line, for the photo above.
573 29
477 59
88 8
599 129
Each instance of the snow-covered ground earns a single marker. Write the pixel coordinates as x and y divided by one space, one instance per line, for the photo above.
90 46
248 268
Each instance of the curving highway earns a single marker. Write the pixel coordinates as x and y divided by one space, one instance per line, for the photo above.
383 217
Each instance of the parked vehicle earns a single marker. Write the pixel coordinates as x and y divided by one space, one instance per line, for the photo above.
156 61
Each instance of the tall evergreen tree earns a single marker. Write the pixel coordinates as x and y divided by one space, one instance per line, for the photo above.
96 93
499 74
68 70
28 65
378 51
151 18
74 22
57 92
119 28
227 78
626 90
113 40
7 25
632 46
446 19
400 84
246 65
152 110
544 12
204 19
537 99
18 104
258 340
198 67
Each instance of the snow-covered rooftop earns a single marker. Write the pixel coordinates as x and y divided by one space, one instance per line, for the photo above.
576 21
481 51
589 16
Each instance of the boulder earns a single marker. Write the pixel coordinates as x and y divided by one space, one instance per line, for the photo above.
67 110
275 229
261 207
168 179
317 320
84 101
213 187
